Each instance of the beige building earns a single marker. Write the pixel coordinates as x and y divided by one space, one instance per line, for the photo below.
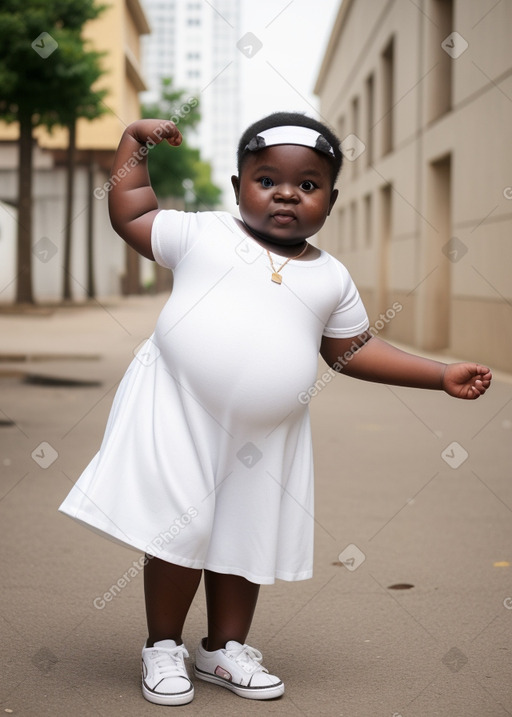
421 95
117 32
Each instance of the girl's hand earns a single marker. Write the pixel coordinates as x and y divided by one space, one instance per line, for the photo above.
466 380
155 131
132 202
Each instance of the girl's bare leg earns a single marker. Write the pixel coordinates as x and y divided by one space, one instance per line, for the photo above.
169 590
231 601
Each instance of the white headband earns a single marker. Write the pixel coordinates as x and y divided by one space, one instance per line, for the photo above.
290 134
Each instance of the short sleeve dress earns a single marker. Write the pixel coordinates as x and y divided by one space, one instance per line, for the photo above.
206 460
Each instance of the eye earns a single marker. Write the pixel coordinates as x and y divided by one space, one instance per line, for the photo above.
307 185
266 182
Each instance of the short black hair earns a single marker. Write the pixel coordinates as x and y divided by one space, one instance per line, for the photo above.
280 119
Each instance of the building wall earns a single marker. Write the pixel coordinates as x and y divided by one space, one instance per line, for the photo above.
425 210
48 235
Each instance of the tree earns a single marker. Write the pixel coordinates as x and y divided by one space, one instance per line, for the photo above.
35 84
206 194
180 173
81 69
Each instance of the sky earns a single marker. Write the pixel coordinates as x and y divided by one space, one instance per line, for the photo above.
288 41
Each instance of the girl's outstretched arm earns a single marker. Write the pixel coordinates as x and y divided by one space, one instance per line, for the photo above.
132 202
376 360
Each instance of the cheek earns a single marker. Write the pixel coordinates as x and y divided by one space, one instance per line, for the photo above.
252 200
318 210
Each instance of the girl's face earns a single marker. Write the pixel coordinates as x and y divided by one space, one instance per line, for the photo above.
285 193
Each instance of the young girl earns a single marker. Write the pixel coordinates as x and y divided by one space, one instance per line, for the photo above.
206 464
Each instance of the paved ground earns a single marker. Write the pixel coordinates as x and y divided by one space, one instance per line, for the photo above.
412 488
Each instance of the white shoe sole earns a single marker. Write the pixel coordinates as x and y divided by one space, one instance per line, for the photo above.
251 693
182 698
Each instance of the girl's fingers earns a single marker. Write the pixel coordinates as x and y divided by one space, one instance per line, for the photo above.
156 131
176 140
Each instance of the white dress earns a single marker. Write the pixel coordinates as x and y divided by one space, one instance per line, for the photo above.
206 460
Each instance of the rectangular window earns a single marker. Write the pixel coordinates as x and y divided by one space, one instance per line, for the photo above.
354 228
384 239
370 118
439 81
368 221
440 251
342 233
388 95
355 131
341 128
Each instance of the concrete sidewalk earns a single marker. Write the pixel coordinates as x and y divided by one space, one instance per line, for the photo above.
413 489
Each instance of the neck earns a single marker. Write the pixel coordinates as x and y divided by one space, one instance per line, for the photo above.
288 249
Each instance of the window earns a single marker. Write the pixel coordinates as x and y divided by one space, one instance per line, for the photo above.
384 235
370 118
436 292
440 78
368 221
341 238
355 131
388 93
353 226
341 127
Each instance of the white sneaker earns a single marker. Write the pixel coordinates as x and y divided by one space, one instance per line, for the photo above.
238 668
164 675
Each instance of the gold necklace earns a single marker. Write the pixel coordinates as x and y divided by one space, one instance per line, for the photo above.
276 276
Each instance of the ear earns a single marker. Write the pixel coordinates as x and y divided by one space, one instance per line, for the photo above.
334 197
235 181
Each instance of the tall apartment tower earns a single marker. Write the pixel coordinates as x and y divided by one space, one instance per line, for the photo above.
195 44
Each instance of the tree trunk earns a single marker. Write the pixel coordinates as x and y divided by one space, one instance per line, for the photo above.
131 279
24 292
91 287
70 191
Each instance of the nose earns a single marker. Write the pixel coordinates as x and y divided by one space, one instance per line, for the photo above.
286 192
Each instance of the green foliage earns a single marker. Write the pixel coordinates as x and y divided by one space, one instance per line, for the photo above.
174 105
206 194
56 88
170 166
171 169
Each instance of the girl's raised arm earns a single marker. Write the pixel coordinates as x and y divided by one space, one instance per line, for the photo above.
132 202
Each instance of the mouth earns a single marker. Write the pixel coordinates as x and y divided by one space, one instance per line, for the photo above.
284 217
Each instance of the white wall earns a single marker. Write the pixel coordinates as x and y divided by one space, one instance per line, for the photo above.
48 233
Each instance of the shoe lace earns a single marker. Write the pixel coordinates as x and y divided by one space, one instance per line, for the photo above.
169 661
248 658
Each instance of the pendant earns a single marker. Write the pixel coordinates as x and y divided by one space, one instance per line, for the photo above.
277 278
